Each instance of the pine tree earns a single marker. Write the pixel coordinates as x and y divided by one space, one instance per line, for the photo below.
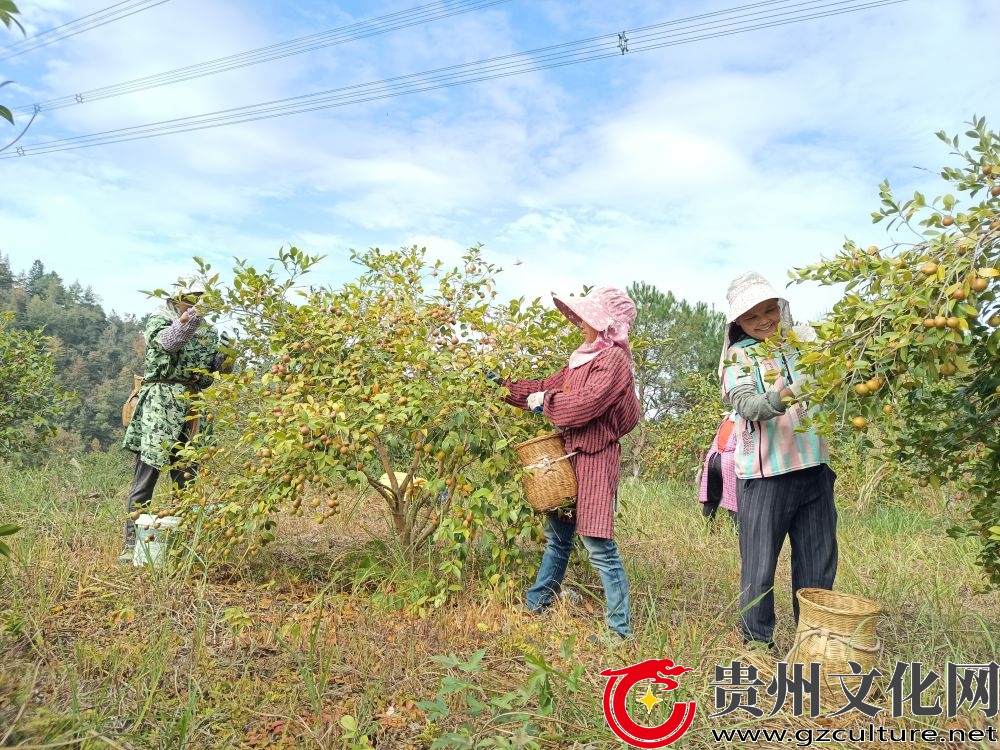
34 278
6 276
675 343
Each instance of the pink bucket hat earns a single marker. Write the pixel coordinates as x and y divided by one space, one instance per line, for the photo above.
606 309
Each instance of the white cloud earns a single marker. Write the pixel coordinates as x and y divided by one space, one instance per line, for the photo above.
680 167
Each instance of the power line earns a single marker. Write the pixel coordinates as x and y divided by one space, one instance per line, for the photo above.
671 33
643 39
88 22
732 12
341 35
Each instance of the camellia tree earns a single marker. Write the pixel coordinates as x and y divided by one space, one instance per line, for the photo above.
380 388
30 398
909 356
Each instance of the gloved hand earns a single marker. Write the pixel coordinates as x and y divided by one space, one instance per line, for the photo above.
802 383
494 377
191 315
535 401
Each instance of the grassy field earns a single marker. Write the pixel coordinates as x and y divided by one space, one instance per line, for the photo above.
307 646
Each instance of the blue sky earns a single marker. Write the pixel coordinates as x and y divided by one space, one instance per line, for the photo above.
680 167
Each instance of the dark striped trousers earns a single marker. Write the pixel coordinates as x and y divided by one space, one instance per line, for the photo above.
798 505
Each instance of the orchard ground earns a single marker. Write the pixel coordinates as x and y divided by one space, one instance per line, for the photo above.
321 640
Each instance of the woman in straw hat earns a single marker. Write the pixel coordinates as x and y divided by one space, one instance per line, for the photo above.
785 486
592 401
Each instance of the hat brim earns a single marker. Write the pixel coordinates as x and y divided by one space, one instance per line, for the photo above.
567 308
750 303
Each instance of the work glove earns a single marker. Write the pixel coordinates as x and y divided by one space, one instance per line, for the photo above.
802 383
191 315
494 377
804 333
535 401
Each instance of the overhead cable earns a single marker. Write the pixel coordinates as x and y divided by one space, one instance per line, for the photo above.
359 30
643 39
88 22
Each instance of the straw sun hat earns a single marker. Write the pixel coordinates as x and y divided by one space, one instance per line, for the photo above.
746 292
749 290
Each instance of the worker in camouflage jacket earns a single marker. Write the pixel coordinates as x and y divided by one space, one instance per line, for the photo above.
182 349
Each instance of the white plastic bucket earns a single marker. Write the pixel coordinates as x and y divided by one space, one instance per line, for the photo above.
152 535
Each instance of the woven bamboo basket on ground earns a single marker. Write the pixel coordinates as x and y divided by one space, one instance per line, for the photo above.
549 480
835 628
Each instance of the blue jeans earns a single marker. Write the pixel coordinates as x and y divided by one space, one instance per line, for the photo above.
603 557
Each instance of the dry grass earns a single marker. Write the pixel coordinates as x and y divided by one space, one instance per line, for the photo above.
277 652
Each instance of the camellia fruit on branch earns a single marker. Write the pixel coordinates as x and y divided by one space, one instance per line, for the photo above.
919 318
377 389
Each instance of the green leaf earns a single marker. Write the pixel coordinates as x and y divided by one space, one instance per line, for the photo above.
7 12
5 114
474 664
8 528
349 723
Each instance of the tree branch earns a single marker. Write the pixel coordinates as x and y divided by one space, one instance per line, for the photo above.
25 130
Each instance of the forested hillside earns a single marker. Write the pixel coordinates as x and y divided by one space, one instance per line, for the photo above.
96 351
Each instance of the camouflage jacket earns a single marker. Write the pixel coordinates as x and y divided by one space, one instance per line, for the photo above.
161 410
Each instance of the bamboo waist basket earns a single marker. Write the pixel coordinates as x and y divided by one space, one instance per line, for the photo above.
128 408
835 628
549 479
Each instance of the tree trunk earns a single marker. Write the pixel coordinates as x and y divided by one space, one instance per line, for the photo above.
635 460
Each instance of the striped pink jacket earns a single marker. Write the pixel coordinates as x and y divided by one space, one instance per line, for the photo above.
595 406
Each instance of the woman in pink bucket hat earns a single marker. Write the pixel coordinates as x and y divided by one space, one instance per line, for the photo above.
592 401
784 483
